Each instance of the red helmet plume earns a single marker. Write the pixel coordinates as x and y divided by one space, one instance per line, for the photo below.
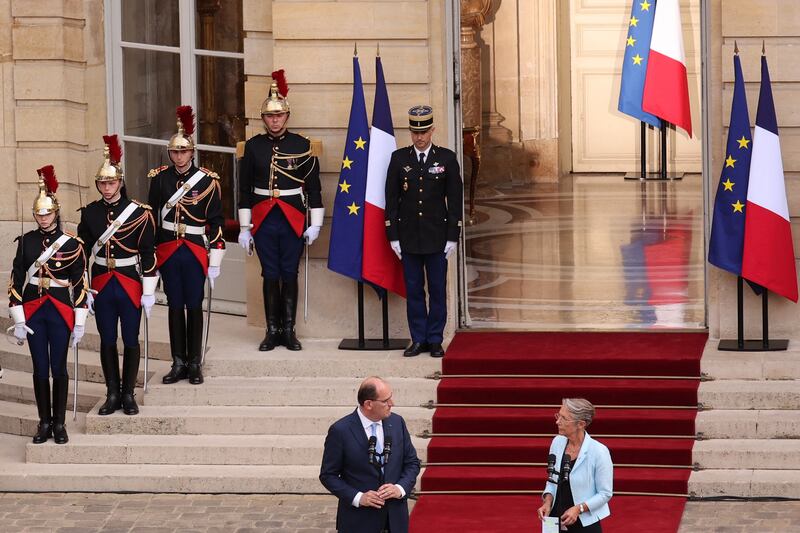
48 174
280 78
114 149
186 116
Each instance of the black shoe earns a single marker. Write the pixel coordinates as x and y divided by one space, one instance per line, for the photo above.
60 391
194 344
41 390
272 302
130 372
289 294
415 349
177 342
437 350
109 360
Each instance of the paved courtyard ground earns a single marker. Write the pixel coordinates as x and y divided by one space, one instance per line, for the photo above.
236 513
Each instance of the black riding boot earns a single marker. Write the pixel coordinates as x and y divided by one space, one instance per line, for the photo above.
60 390
177 342
289 314
109 360
130 371
41 390
272 304
194 337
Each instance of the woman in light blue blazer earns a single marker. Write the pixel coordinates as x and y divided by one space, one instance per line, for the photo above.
582 501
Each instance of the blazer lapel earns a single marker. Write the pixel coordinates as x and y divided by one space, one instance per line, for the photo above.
587 443
357 429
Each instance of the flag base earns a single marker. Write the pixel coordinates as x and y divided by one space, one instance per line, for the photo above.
374 344
654 176
753 345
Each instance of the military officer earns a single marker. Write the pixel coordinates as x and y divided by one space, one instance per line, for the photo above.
119 233
185 200
280 204
47 298
424 197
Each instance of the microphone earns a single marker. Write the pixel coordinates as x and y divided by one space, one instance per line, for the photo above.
566 467
373 441
387 449
551 466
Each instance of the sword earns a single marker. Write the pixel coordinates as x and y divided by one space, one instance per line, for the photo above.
75 392
146 349
305 273
207 324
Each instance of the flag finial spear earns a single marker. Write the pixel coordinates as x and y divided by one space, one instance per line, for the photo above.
378 53
355 49
735 48
763 48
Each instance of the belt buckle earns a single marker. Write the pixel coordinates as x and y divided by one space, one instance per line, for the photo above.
111 263
182 230
276 193
44 283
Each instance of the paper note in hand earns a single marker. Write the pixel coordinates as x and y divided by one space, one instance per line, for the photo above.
550 524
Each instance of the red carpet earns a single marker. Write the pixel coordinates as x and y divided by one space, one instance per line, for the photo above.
503 416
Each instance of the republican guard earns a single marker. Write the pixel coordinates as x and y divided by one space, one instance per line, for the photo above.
47 297
118 235
280 205
424 203
189 245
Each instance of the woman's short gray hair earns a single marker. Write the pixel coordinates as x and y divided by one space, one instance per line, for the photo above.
580 408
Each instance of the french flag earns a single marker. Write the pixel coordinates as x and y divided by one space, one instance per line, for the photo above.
380 265
666 87
768 255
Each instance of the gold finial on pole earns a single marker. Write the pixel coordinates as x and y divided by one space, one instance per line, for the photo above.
378 53
355 49
763 48
735 48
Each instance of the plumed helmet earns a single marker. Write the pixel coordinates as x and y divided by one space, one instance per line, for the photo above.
111 169
46 202
183 139
276 102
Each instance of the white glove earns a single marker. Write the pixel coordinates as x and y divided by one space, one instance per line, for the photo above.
148 300
77 334
311 234
90 302
246 241
213 273
448 249
21 331
396 247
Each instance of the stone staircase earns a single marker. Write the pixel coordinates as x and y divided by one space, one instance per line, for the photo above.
257 425
750 424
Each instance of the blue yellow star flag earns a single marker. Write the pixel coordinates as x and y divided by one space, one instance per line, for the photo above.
347 226
634 67
727 226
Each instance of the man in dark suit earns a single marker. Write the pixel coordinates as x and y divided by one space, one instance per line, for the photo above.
370 464
424 202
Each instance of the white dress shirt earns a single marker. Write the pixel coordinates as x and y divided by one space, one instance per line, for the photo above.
366 423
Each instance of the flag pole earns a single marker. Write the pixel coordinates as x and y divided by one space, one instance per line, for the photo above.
764 344
740 312
362 343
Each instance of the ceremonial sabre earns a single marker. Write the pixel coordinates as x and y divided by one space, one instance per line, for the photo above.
208 324
146 349
305 273
75 392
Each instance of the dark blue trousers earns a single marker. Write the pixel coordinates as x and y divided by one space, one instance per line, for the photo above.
113 306
426 321
183 280
49 342
278 247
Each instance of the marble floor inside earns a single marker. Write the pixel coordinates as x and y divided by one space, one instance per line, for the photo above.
591 252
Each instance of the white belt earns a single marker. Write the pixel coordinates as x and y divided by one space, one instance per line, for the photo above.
47 282
113 262
275 193
183 229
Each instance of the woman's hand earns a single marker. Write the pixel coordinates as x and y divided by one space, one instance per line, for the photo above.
570 516
544 510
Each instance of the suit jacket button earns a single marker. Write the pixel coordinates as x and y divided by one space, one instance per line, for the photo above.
420 213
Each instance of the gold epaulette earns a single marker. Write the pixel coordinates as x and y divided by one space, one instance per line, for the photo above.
156 171
211 173
316 148
140 204
72 235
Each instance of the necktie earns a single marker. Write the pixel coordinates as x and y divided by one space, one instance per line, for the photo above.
422 158
378 443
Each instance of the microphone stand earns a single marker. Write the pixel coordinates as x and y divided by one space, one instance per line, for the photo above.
561 478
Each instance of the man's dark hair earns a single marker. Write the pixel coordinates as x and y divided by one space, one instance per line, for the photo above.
367 391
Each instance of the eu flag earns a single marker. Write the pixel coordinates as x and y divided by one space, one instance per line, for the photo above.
727 226
347 226
634 67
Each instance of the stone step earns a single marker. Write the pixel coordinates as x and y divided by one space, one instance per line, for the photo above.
89 369
18 387
745 483
22 418
188 449
746 394
749 424
761 454
225 420
751 365
282 391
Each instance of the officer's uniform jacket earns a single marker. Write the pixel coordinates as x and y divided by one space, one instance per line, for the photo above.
132 245
272 170
423 203
61 279
185 223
